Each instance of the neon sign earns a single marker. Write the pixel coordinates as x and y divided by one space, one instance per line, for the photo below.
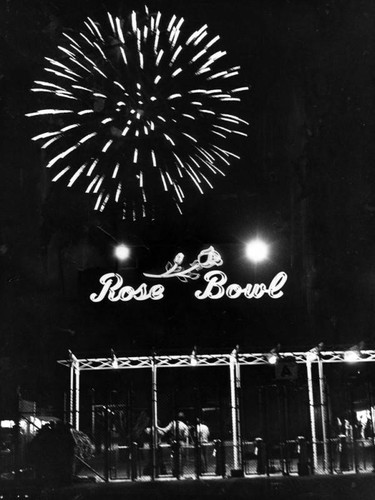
206 259
217 279
114 290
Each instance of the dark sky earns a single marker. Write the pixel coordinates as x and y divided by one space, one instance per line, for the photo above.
305 182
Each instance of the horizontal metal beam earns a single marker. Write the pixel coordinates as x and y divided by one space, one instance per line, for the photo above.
180 361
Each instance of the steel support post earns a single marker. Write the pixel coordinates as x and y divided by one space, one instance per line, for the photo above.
71 394
154 420
323 413
233 411
77 380
238 410
235 385
312 414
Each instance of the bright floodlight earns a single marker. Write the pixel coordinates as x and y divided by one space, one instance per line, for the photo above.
273 356
314 353
122 252
257 250
114 359
272 359
193 361
193 358
351 356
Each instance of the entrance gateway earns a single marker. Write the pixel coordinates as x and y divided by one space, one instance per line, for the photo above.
234 361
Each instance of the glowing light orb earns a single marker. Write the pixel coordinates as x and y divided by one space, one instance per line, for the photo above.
257 251
193 361
137 110
351 356
122 252
272 359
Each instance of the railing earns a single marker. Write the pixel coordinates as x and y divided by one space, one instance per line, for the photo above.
215 458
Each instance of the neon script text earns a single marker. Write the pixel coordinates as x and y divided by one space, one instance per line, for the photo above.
217 279
114 290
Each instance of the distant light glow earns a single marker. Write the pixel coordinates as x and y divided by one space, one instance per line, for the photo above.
272 359
257 250
122 252
311 356
351 356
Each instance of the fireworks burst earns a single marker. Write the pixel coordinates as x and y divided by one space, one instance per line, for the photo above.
138 110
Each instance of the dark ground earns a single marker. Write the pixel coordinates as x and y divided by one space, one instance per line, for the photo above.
344 487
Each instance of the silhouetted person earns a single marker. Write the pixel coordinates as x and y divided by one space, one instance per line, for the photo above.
203 436
178 432
52 453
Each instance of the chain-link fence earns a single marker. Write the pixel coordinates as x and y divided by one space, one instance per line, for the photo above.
193 433
191 439
192 412
189 427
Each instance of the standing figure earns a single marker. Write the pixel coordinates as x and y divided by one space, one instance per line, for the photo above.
203 436
179 435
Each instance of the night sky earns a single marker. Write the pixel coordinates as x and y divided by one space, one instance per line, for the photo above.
305 183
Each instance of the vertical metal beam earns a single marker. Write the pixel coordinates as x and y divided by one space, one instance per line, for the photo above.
154 419
77 374
312 413
323 412
238 409
71 393
235 386
233 410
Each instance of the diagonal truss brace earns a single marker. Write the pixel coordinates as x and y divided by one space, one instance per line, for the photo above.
175 361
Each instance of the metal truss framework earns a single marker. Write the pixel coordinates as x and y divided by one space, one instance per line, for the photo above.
175 361
235 360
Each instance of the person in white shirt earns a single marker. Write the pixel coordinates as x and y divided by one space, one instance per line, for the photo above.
177 429
203 432
179 435
203 435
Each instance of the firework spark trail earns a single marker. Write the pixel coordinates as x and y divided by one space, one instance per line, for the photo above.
145 97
